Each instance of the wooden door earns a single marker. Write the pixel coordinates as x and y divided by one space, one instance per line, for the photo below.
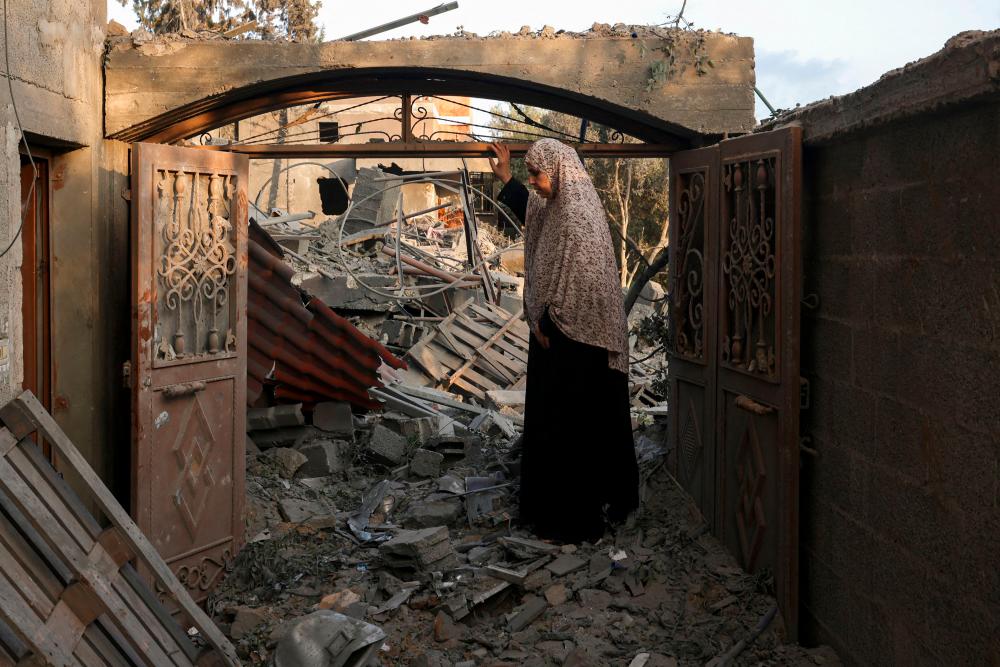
735 389
189 279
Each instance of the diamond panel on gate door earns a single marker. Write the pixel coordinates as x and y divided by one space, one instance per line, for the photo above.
690 445
751 474
192 448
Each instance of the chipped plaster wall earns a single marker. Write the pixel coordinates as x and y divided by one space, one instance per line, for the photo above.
56 49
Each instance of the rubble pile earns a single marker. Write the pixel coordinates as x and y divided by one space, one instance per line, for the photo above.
423 546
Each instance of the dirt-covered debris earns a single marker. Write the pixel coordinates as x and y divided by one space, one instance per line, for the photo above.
451 578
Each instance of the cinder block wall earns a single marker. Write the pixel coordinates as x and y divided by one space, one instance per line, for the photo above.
901 511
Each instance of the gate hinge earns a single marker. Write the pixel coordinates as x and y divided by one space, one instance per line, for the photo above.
126 194
805 394
127 375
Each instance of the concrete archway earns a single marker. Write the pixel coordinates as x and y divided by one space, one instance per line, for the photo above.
168 90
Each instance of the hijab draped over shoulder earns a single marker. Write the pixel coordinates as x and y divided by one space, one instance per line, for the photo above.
569 259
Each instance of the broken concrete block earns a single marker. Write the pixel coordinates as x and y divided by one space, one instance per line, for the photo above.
400 333
287 461
469 447
344 292
507 574
556 595
428 549
480 555
246 621
325 638
296 510
323 458
420 429
277 416
445 629
565 564
532 608
599 562
538 580
511 398
386 447
426 463
433 513
291 436
340 600
335 418
519 544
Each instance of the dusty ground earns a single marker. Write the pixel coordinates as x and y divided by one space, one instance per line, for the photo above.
661 586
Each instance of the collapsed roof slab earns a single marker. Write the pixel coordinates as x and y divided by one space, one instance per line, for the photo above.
655 86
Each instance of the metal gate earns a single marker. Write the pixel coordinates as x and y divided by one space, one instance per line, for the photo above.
188 368
736 272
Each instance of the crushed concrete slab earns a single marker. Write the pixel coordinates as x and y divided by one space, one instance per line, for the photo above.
420 429
335 418
428 549
429 514
276 416
297 510
565 564
324 458
426 463
532 608
246 621
288 461
290 436
386 447
556 595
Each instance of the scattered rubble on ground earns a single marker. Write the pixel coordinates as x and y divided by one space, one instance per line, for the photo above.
450 578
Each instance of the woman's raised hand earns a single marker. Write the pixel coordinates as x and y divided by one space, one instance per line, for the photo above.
500 166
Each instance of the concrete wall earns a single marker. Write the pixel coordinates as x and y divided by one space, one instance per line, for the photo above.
901 510
56 49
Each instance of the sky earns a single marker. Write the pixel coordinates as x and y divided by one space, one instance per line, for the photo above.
806 50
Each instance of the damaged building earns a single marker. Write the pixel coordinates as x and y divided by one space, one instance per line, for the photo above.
263 365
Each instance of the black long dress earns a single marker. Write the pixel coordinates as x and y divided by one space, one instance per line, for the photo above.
578 461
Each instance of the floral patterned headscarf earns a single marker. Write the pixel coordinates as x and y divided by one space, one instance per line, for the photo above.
570 266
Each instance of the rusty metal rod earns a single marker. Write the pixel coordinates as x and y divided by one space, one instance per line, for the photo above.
398 23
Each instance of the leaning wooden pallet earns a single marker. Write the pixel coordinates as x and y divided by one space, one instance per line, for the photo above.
474 350
68 593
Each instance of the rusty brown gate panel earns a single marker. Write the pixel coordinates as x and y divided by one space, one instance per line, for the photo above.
736 405
694 282
189 278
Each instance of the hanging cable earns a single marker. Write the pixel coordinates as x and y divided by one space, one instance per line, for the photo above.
20 129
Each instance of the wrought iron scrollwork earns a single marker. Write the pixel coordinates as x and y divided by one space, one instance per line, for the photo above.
197 257
748 265
689 277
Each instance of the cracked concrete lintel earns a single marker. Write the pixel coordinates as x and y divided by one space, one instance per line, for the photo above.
143 82
965 70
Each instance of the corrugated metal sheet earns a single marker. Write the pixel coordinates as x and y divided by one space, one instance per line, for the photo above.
297 347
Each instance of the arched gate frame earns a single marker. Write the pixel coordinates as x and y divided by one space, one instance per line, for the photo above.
735 267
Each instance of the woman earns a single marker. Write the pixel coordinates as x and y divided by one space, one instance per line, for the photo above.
578 458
